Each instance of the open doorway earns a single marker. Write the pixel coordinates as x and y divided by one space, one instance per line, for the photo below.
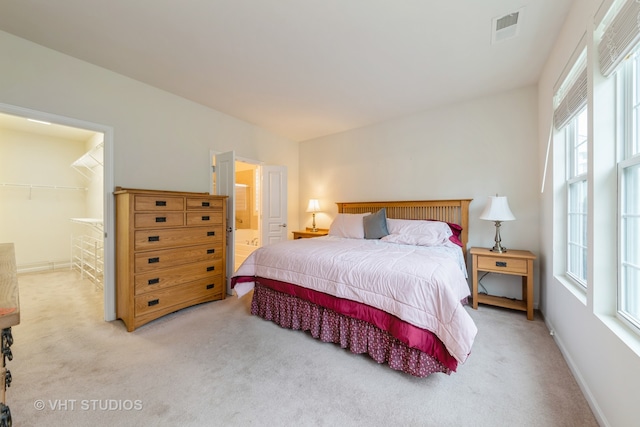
244 207
247 211
52 189
265 203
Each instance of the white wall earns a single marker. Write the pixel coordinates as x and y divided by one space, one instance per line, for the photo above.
604 356
469 150
36 220
161 141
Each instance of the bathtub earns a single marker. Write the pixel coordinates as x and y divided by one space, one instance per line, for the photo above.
246 242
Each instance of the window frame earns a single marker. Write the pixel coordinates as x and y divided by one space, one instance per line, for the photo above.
572 179
628 137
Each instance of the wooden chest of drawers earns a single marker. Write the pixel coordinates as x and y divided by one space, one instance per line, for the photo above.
170 252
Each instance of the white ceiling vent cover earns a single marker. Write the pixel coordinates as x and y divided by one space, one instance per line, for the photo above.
506 27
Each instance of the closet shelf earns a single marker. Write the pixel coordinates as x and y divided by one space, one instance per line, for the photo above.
93 222
87 250
87 257
87 163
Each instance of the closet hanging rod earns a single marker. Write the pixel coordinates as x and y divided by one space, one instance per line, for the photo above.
53 187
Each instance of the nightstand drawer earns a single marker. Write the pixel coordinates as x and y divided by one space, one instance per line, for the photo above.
500 264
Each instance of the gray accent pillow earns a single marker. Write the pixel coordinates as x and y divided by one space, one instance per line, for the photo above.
375 226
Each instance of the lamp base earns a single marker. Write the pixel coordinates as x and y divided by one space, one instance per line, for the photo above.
498 248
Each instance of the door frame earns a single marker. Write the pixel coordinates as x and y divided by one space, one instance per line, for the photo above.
230 212
109 287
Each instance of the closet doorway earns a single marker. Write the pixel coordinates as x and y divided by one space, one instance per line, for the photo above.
52 183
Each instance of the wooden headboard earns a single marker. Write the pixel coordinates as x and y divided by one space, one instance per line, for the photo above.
454 211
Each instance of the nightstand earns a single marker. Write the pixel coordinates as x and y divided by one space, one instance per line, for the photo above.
514 262
306 234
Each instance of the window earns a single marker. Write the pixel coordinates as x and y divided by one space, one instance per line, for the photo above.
576 142
571 119
628 81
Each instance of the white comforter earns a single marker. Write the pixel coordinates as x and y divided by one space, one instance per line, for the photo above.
420 285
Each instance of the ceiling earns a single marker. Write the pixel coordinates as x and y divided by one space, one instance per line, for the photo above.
23 124
302 68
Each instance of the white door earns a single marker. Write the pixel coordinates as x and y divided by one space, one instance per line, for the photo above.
274 204
225 186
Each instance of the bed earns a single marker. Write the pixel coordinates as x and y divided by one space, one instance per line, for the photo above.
389 281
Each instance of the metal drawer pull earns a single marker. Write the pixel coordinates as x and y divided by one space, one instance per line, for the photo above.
501 264
205 218
211 233
161 219
210 286
161 203
211 268
154 238
211 251
154 260
153 302
205 204
153 281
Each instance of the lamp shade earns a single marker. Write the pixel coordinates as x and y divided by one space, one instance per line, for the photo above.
497 209
314 205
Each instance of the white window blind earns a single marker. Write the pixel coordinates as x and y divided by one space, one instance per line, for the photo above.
620 37
573 101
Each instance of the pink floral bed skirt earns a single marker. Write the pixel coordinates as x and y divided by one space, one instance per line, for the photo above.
358 336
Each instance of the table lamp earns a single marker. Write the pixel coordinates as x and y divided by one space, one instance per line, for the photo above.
497 210
313 207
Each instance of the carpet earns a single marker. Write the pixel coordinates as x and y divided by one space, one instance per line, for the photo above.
216 365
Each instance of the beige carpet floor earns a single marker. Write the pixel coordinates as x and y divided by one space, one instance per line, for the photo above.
216 365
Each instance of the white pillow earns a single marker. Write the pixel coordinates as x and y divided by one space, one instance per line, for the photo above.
348 225
417 232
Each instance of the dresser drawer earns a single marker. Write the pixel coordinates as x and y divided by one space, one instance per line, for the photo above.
155 280
200 203
156 260
497 264
158 203
157 220
204 289
204 218
166 238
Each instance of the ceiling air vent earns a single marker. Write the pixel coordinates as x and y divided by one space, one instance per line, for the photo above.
506 27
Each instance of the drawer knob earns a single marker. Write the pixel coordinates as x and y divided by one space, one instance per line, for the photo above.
211 268
154 281
211 251
210 286
205 204
154 238
161 203
153 302
161 219
154 260
211 233
205 218
501 263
